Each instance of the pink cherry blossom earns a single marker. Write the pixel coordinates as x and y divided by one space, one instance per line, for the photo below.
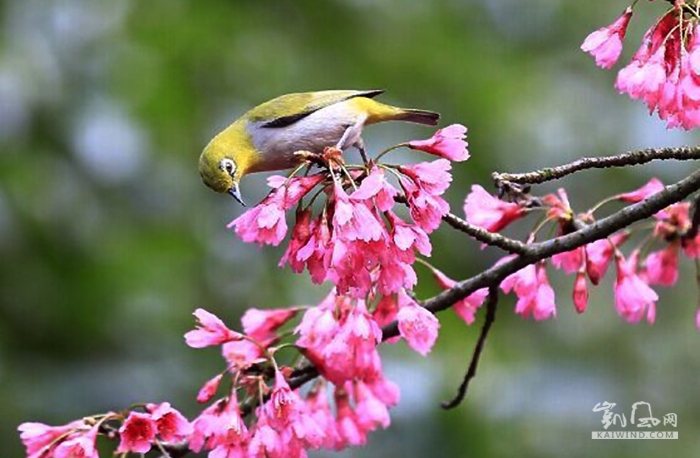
172 426
320 411
600 253
662 266
570 261
486 211
633 296
652 187
39 438
417 325
219 426
447 142
210 331
466 308
350 430
78 446
266 223
535 295
605 44
371 411
580 295
262 324
207 392
424 183
137 433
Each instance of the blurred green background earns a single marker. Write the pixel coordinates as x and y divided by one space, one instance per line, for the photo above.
108 239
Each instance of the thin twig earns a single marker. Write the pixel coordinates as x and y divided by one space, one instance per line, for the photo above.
484 236
620 160
491 305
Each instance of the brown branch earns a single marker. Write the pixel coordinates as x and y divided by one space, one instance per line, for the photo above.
482 235
620 160
491 305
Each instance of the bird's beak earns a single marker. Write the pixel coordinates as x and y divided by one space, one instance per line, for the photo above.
236 193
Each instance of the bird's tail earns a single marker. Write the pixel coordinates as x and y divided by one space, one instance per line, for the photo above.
429 118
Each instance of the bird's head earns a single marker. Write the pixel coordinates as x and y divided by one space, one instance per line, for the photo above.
224 161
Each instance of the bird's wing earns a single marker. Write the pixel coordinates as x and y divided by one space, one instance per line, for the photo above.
288 109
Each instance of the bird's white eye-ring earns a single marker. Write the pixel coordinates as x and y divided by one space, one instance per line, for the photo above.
228 165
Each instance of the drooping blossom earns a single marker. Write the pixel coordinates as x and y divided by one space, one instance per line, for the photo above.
171 425
220 427
661 266
39 439
605 44
210 331
489 212
208 390
80 445
600 253
633 297
652 187
137 433
466 308
535 295
580 295
417 325
261 325
424 184
447 142
340 337
266 223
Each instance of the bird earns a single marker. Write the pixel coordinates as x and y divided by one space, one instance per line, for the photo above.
267 137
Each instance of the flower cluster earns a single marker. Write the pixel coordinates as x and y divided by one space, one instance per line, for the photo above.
665 71
636 273
158 424
357 241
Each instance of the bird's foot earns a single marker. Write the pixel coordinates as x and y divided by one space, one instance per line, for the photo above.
331 157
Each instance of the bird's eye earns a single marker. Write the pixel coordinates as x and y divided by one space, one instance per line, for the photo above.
228 165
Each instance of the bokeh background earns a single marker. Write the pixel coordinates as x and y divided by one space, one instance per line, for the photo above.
108 239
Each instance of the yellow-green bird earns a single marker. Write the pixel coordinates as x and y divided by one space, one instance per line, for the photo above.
266 137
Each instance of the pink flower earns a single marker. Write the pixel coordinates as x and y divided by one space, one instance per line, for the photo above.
535 295
467 307
286 412
633 296
266 223
605 44
210 331
262 324
652 187
342 348
172 425
320 411
350 430
78 446
417 325
371 411
662 266
39 438
424 183
207 392
697 319
570 261
241 354
375 186
447 142
488 212
580 293
219 426
599 254
353 218
137 433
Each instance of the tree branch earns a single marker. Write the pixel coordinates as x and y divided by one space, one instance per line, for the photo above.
621 160
482 235
491 305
